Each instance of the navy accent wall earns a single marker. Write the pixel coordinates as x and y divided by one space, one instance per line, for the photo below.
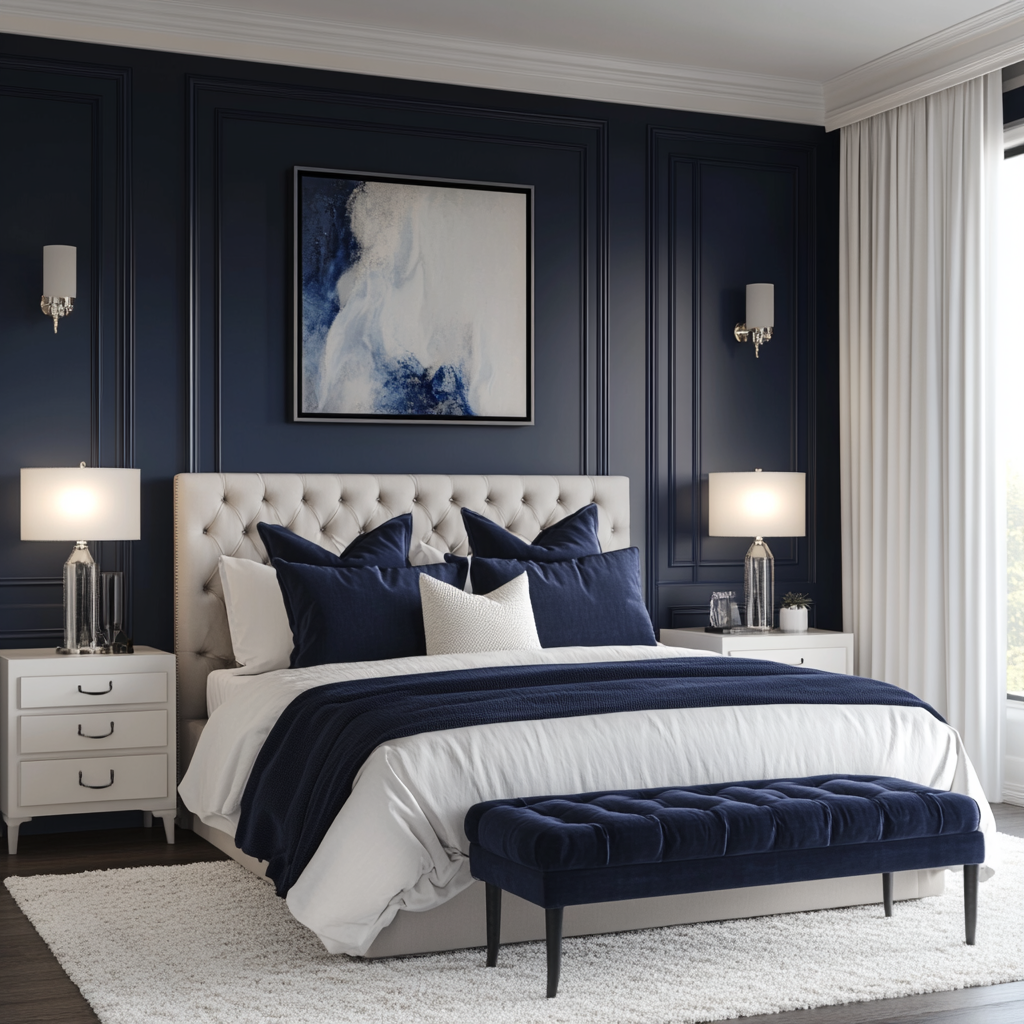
172 176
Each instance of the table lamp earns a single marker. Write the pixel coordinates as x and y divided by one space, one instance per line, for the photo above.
69 504
759 505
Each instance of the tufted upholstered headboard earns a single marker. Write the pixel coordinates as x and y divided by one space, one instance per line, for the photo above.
216 514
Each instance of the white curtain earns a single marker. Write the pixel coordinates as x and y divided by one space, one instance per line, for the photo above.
923 505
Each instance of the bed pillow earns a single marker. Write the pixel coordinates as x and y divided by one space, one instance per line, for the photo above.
459 623
572 537
581 602
260 635
360 614
386 546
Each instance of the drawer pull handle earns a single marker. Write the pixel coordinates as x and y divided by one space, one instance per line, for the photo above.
102 735
98 693
106 785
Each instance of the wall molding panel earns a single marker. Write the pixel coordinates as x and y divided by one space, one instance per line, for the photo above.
215 105
106 299
725 211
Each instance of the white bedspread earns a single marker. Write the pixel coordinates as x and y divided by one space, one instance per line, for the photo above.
398 842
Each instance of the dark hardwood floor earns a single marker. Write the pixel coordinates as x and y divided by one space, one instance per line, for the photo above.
35 990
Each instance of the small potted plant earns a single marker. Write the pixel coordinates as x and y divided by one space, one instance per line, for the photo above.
793 613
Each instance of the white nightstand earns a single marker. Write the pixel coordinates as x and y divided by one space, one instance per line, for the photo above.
86 733
817 648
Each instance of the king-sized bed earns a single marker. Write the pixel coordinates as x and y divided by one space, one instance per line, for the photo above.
386 871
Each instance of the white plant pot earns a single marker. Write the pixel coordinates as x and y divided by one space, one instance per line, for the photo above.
793 620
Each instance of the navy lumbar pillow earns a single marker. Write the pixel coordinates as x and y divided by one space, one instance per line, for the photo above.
386 546
572 537
581 602
356 614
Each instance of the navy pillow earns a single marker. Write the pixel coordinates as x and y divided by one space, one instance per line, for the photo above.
582 602
359 614
386 546
572 537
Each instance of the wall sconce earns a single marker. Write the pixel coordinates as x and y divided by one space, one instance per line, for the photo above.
60 279
760 316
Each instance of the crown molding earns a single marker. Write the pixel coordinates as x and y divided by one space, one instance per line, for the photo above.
988 42
213 31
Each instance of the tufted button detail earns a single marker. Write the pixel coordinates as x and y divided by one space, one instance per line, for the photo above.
205 531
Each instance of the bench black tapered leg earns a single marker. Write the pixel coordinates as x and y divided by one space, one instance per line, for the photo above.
970 901
887 892
493 899
553 922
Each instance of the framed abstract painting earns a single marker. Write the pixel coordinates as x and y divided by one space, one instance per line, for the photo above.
413 299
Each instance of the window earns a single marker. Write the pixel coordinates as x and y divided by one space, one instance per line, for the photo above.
1011 288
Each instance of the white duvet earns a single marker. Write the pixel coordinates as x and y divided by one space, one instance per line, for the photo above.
398 841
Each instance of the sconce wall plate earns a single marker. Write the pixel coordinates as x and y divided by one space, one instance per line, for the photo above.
56 307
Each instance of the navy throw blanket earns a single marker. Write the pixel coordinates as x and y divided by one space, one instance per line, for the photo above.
304 771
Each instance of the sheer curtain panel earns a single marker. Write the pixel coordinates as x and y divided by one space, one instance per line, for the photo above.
923 507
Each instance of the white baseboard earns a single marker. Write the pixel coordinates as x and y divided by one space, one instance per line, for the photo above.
1013 793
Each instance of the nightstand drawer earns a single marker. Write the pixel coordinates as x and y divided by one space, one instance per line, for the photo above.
113 688
71 781
111 731
828 659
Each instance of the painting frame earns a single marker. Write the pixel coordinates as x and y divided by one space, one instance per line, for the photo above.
523 359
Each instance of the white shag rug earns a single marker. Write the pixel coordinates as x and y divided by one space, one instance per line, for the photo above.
204 943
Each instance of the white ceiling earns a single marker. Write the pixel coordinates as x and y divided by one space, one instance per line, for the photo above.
814 61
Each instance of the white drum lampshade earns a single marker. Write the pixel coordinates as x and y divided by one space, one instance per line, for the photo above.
757 505
80 505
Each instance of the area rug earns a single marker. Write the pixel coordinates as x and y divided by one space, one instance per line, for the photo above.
204 943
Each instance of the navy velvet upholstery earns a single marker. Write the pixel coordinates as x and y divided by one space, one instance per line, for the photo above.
360 614
591 830
585 602
571 537
387 546
592 847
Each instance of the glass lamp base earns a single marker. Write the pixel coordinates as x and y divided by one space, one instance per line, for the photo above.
759 586
81 593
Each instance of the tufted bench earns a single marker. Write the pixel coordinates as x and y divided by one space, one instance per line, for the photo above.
559 851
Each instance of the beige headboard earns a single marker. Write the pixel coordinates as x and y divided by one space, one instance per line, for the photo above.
216 514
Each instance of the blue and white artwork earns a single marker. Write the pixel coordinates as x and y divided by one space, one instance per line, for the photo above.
413 300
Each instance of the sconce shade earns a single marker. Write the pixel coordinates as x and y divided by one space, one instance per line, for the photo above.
60 271
80 504
760 305
756 504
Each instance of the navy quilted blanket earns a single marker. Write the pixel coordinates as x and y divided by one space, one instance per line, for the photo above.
304 772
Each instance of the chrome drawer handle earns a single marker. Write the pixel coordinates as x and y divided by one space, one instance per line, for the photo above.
106 785
98 693
102 735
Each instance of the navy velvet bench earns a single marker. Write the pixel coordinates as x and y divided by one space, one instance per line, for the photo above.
559 851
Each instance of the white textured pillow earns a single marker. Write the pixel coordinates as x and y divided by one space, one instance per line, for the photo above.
459 623
260 635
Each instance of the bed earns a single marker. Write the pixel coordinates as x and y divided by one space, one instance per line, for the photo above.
390 875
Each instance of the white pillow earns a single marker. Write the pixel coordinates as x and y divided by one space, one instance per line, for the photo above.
260 635
459 623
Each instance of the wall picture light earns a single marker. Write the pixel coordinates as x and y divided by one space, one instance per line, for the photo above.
760 316
60 280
